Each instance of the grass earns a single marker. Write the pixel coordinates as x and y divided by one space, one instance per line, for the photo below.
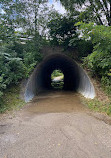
104 90
98 106
11 100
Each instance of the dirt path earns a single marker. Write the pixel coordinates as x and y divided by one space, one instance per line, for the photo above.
55 125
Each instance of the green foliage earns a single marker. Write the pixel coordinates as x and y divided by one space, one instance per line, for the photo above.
90 10
11 68
16 63
23 30
31 59
100 60
31 54
83 47
62 29
20 40
11 99
109 74
106 83
98 106
56 73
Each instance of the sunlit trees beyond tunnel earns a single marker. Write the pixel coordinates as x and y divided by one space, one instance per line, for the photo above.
57 80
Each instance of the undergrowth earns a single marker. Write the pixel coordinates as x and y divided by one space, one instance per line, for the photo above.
98 106
11 100
104 90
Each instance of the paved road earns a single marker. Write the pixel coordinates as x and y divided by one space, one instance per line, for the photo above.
54 126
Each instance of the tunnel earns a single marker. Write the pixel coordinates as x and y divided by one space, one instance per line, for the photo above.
75 78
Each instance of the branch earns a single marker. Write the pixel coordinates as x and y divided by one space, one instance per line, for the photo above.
106 13
96 11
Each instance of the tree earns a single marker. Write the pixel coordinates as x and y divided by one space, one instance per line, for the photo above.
62 29
36 12
98 11
19 19
28 16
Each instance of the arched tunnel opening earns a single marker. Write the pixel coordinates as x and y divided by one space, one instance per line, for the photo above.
75 78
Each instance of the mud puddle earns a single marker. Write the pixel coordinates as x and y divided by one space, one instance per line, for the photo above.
60 102
56 102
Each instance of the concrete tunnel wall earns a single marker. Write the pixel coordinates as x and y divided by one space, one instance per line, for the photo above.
75 77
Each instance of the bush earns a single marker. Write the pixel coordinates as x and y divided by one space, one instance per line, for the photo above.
83 47
16 62
11 70
99 61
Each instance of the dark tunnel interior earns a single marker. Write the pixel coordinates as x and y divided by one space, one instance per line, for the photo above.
75 78
71 76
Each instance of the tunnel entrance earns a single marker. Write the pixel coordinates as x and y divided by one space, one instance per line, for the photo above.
57 80
75 78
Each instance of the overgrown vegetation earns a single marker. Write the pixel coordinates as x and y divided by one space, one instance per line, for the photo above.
85 29
62 29
99 61
27 25
11 99
20 40
57 73
16 62
91 38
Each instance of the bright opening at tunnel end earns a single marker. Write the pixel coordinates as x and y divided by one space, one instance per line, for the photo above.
57 80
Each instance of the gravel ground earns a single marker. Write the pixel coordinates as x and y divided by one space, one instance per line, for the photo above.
55 125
